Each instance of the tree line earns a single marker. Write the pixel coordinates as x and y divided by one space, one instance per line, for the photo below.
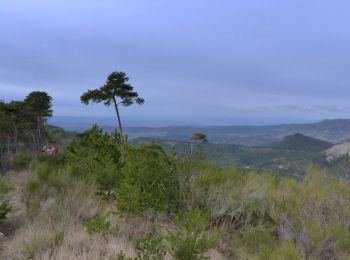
22 125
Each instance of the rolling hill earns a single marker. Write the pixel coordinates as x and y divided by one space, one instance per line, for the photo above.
299 142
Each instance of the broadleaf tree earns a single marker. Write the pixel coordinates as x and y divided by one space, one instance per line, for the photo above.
117 92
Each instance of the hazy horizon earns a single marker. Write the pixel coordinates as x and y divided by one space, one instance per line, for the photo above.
241 62
74 123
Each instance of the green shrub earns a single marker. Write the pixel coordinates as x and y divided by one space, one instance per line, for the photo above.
4 209
149 181
121 256
190 239
149 248
32 185
96 156
55 162
252 242
22 160
4 185
98 224
285 251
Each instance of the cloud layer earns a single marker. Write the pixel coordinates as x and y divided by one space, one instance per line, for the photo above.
186 58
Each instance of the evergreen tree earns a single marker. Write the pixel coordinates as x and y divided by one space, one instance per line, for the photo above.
198 137
40 104
118 92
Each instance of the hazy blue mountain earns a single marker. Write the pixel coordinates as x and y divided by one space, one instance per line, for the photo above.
334 131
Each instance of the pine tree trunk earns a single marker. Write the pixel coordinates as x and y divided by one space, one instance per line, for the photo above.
35 146
122 143
15 138
8 144
191 148
39 133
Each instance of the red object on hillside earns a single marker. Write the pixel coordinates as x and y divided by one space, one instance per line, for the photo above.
50 150
54 150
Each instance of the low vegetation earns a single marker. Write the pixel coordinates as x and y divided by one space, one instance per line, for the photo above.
87 204
101 198
4 204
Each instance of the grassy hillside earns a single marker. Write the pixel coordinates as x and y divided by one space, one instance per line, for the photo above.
87 204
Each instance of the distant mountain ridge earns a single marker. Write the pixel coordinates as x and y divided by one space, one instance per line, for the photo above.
329 130
333 131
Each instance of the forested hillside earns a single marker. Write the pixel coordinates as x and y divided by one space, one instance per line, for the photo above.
287 157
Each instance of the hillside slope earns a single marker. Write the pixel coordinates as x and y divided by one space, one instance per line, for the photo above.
299 142
338 150
291 156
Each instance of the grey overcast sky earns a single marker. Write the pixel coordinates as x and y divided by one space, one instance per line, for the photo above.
283 60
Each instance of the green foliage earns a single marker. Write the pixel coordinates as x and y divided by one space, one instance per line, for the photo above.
98 224
22 128
116 87
149 181
22 160
4 209
40 103
190 239
269 214
96 155
59 137
285 251
4 204
116 91
199 137
121 256
149 248
5 187
56 162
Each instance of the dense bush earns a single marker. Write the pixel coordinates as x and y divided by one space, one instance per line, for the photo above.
96 155
190 239
98 224
149 181
4 209
22 160
265 217
149 247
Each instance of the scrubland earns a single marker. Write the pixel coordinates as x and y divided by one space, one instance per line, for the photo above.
86 203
